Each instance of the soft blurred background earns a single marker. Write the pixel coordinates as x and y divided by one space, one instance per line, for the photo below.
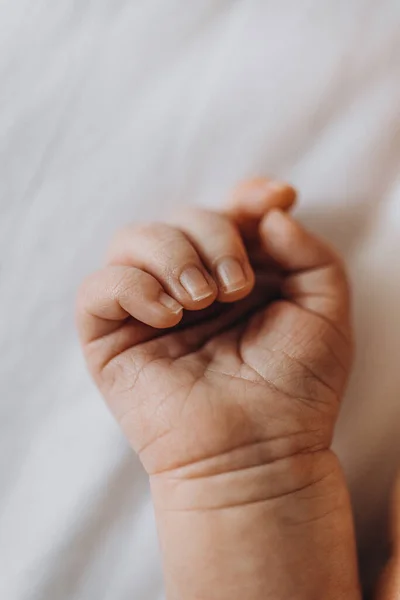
116 110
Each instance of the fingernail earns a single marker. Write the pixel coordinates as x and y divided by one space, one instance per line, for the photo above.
196 285
231 275
170 303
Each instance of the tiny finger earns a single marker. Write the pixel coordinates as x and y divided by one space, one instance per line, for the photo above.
252 199
220 245
169 256
116 293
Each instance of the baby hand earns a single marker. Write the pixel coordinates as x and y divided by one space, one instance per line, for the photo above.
220 337
222 344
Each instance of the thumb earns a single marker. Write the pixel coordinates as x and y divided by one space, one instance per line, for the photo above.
315 275
315 332
390 584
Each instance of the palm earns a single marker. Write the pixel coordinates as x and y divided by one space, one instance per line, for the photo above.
262 369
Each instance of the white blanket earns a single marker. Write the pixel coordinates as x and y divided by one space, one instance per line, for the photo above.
115 110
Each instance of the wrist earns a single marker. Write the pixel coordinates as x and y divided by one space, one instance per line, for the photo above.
223 486
258 532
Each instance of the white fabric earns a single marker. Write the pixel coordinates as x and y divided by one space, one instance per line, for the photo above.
115 110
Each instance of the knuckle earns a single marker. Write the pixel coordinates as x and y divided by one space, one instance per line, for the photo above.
125 283
152 242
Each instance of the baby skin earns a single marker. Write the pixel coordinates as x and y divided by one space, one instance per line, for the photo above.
222 343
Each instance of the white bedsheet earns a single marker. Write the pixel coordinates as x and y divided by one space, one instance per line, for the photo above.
114 110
